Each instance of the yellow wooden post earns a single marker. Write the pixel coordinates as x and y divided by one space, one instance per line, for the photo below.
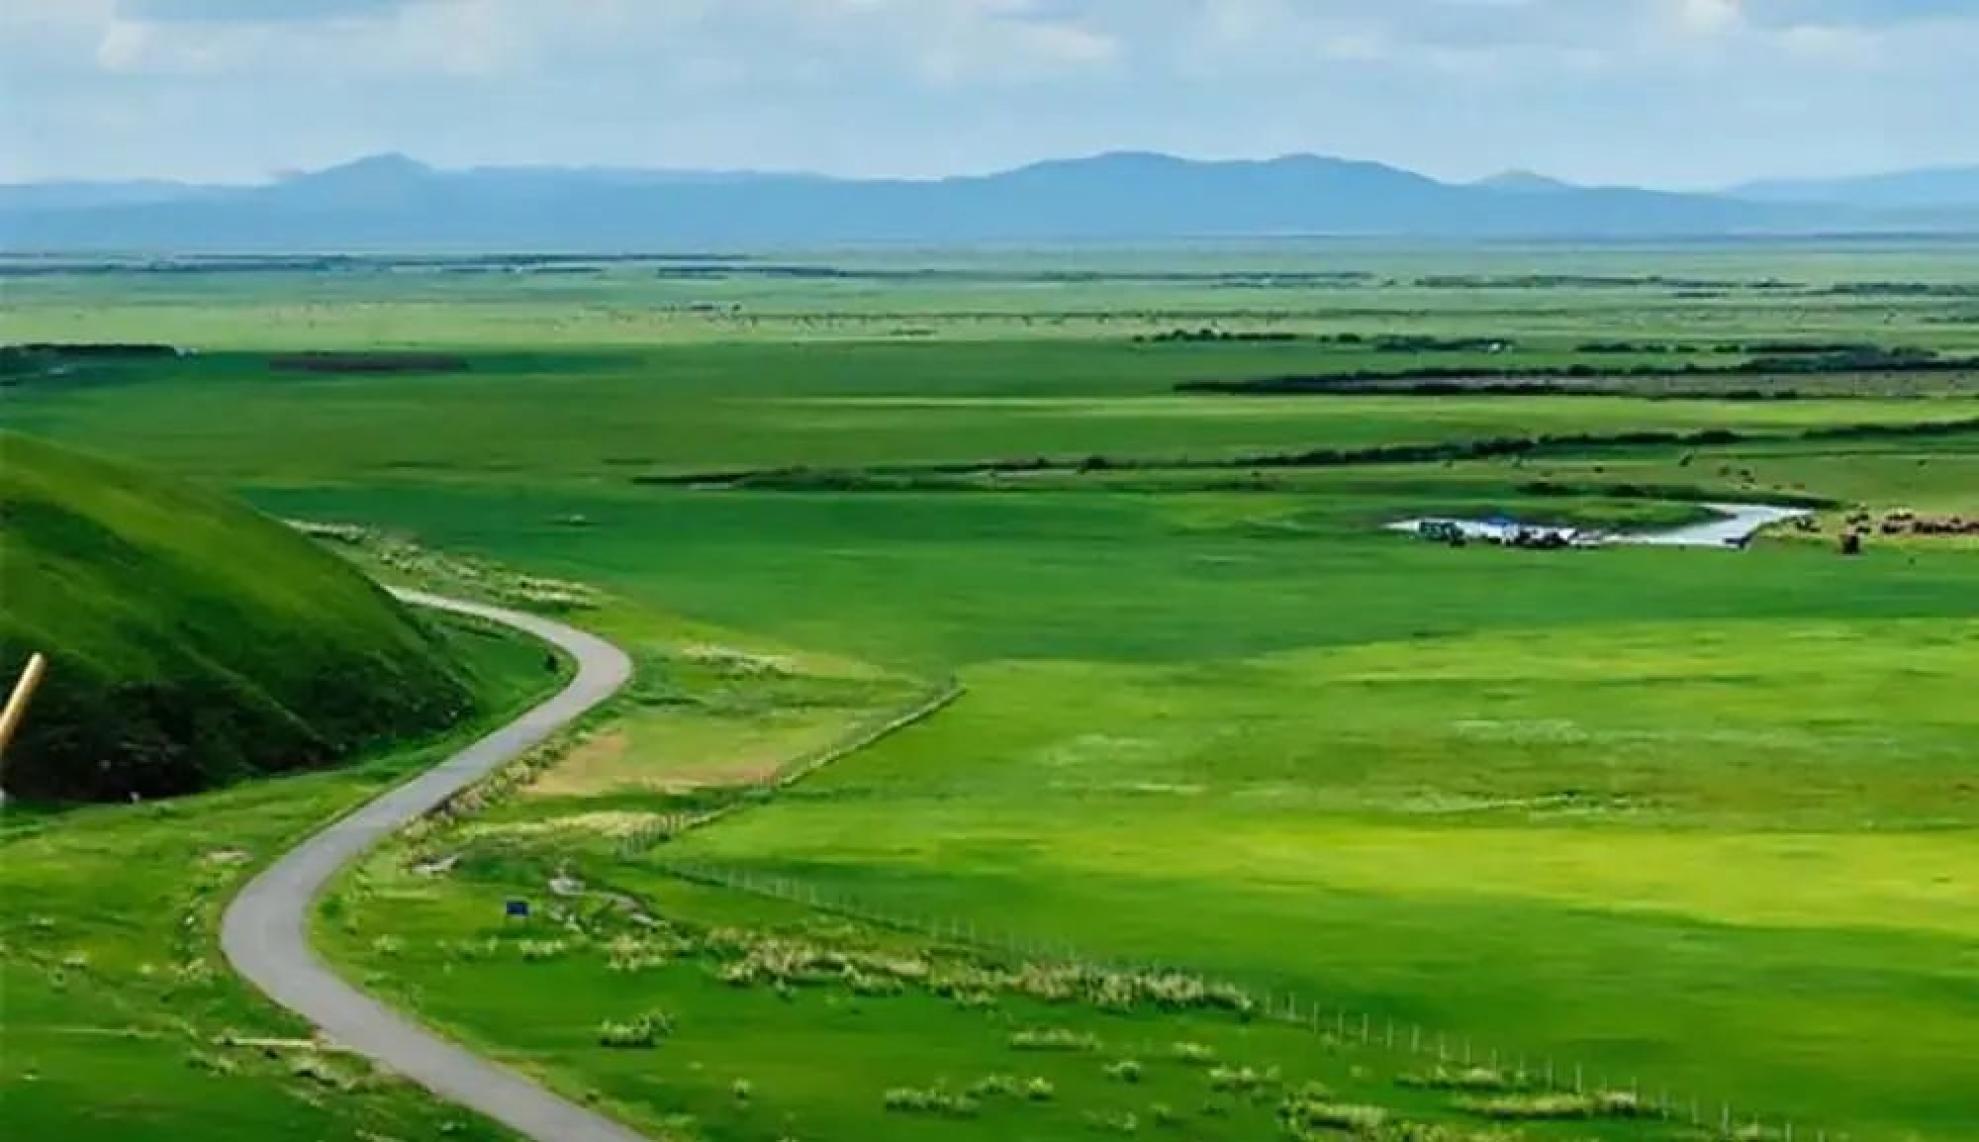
10 720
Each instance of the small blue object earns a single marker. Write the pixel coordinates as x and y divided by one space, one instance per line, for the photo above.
517 908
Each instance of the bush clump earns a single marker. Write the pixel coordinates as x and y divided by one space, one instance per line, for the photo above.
536 951
1062 1039
1123 1122
1558 1105
934 1101
1242 1080
1312 1108
1124 1071
1464 1079
993 1086
640 1033
632 954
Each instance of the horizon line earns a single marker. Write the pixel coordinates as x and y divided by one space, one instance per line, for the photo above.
278 177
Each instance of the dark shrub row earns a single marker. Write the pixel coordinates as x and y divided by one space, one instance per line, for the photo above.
919 477
1470 378
368 363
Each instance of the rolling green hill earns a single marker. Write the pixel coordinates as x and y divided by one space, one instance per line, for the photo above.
191 641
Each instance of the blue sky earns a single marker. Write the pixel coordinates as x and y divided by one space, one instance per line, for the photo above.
1662 92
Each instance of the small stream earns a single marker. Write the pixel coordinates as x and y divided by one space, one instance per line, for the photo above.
1736 523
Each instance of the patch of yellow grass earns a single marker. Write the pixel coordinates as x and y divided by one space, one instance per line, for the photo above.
675 750
584 769
606 823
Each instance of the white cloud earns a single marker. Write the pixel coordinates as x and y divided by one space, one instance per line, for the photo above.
1069 43
122 46
1833 44
1709 17
1678 90
465 38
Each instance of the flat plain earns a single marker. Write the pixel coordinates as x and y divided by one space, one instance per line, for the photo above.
1321 828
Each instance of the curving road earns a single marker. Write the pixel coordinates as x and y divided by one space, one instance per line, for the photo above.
265 930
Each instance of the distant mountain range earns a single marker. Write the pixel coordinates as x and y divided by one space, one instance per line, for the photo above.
1939 188
394 203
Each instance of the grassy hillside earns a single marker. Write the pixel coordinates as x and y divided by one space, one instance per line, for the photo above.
192 641
1693 830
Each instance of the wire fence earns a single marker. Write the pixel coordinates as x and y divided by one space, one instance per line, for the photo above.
1524 1072
667 826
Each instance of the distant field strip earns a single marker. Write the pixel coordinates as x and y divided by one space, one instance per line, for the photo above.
827 478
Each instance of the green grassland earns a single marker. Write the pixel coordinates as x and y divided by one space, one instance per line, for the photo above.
1695 820
1914 292
618 415
1506 802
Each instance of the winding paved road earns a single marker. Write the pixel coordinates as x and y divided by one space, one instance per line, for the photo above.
265 931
